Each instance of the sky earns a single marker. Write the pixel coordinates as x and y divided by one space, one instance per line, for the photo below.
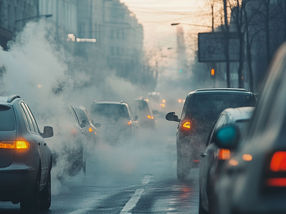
157 15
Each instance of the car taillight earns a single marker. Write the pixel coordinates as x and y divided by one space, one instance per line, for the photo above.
186 125
278 162
150 117
276 176
17 145
90 130
224 154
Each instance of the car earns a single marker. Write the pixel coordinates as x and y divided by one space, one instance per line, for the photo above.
201 109
88 128
116 120
143 113
254 179
213 157
25 157
76 132
157 103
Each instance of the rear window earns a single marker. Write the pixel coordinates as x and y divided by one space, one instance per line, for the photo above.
7 118
112 111
207 107
142 106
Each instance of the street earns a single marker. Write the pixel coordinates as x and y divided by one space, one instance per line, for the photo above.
114 185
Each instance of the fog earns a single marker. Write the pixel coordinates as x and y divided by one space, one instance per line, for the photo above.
37 69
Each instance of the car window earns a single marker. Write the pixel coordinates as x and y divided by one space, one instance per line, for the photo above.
142 107
220 122
81 116
36 128
207 107
7 118
28 118
112 111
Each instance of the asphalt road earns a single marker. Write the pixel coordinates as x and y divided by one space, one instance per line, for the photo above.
135 178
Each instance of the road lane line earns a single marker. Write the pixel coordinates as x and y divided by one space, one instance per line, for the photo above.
132 201
135 197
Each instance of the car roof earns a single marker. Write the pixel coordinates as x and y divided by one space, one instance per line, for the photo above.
8 99
219 90
110 102
236 114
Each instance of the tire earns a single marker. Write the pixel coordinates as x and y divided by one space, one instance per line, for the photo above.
182 168
201 209
30 204
45 195
84 167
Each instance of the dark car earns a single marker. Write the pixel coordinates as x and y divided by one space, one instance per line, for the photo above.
201 110
25 158
144 114
117 122
86 124
213 157
254 179
78 132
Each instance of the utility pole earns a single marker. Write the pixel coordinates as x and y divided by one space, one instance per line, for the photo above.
213 65
212 6
226 44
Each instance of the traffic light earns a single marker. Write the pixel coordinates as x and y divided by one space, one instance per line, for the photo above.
212 72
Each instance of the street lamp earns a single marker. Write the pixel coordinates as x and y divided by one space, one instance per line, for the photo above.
196 25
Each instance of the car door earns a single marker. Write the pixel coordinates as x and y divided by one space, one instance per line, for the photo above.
43 148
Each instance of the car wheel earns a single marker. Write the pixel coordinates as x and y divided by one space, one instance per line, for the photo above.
30 204
45 195
201 209
182 168
84 167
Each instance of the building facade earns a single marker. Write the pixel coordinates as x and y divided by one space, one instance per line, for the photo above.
13 17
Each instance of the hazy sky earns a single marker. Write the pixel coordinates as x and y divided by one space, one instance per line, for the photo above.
157 15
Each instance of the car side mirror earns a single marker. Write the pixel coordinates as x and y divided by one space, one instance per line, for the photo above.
227 137
171 116
48 132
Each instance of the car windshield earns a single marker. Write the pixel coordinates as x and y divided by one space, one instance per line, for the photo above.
111 111
7 118
207 107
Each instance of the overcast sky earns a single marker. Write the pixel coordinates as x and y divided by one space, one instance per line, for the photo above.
157 15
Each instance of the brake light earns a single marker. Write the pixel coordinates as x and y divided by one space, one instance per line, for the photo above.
186 125
224 154
278 162
276 182
129 123
276 177
17 145
150 117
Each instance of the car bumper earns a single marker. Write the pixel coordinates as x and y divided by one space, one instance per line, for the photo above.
15 181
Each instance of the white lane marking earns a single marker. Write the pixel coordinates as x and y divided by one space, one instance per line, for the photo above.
132 202
146 180
135 197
